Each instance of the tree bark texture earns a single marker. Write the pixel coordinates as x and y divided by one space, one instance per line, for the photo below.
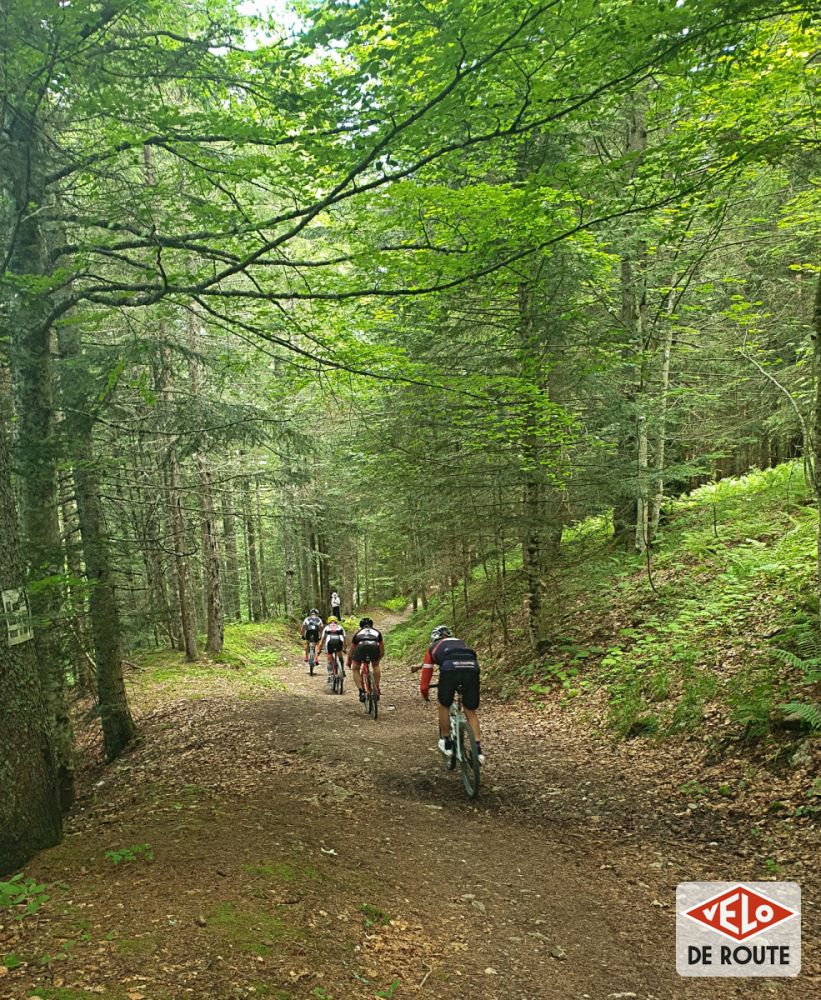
30 818
104 612
36 440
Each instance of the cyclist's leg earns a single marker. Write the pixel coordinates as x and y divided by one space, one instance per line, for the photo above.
473 722
469 684
445 695
377 672
356 666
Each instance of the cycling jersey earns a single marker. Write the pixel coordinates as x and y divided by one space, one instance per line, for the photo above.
311 627
451 654
333 637
456 662
367 643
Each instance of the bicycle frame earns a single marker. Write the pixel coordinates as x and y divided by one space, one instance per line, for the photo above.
470 764
369 687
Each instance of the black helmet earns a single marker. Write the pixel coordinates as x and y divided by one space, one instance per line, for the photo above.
366 622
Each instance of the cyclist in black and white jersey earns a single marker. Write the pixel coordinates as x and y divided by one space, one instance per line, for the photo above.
333 641
367 646
311 629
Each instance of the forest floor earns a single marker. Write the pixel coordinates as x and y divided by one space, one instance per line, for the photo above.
267 839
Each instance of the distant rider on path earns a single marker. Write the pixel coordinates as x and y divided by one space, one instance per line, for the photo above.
311 629
333 641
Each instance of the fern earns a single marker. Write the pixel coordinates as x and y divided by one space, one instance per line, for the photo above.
800 711
789 659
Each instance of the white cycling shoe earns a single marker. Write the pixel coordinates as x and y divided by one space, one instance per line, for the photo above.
444 748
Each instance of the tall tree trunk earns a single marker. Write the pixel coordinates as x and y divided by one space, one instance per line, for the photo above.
661 431
115 715
214 623
30 802
36 439
263 573
179 535
84 666
816 357
254 605
630 507
215 628
229 534
104 613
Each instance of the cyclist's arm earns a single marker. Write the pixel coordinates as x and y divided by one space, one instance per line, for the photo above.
427 675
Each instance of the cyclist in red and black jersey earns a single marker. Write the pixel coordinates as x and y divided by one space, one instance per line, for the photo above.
458 669
367 646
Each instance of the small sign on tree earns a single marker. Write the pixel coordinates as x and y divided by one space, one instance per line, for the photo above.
18 616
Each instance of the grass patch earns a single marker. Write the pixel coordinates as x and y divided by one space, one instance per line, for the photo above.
374 917
254 932
282 871
245 667
136 946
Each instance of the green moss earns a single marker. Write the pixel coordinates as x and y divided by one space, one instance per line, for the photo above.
282 871
373 915
136 946
249 656
255 932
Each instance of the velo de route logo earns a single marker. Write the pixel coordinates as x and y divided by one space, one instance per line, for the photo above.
738 929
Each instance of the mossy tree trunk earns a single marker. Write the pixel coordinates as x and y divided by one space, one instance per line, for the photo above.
816 446
37 449
104 612
30 816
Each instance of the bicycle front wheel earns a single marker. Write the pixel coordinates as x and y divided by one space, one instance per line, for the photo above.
470 760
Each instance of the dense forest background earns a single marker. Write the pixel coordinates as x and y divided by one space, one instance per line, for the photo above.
374 300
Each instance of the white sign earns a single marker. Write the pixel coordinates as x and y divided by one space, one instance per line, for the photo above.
738 929
17 615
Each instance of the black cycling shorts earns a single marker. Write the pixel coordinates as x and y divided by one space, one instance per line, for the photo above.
365 652
334 644
466 680
312 635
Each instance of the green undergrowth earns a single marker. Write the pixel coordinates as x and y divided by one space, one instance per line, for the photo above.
250 654
249 930
721 633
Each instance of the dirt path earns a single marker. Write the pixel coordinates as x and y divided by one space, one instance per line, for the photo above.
302 850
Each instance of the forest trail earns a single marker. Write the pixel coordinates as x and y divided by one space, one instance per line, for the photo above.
302 850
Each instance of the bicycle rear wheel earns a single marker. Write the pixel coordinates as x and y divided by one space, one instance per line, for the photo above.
311 659
450 762
470 760
339 676
373 704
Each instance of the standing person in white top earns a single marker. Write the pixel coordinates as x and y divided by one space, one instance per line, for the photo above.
336 605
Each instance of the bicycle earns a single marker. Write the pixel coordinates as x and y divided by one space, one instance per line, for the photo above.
312 657
339 674
371 694
464 747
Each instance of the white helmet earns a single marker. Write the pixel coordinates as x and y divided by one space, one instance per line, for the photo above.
440 632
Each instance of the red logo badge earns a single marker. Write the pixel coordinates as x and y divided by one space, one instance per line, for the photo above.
739 913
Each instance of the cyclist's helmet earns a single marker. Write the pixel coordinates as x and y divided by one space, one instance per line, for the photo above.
333 620
440 632
313 611
366 622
